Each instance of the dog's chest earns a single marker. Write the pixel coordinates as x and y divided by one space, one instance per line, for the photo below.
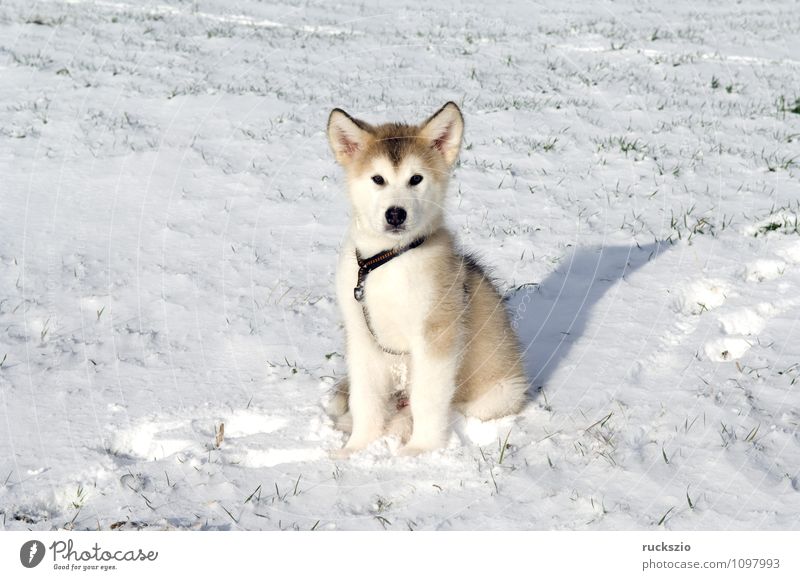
395 302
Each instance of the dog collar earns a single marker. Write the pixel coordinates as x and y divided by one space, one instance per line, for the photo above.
367 265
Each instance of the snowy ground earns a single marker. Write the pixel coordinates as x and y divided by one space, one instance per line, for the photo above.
170 216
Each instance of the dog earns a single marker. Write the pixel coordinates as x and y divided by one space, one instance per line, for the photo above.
427 330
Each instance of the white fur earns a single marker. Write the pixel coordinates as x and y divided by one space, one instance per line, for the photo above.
401 294
397 297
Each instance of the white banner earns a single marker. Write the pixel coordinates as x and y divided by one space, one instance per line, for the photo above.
424 555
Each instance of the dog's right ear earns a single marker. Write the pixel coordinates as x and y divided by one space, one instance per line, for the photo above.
348 136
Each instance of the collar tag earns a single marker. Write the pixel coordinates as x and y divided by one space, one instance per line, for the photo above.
365 266
358 291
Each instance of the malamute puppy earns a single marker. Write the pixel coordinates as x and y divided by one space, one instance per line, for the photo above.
421 317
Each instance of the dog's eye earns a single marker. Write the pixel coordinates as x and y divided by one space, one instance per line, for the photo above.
415 180
378 180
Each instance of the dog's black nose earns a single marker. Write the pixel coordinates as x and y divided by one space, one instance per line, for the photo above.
395 216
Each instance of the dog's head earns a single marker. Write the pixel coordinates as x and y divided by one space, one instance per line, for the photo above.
397 174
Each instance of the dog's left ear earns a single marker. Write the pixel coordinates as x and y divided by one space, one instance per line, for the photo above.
348 136
444 130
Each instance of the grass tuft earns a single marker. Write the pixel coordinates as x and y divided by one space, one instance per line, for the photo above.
503 448
664 517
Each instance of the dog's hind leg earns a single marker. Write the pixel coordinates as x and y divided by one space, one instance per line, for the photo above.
506 397
397 409
338 405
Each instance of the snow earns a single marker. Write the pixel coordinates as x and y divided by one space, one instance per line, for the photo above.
171 217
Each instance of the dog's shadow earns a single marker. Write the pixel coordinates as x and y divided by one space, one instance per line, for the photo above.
551 316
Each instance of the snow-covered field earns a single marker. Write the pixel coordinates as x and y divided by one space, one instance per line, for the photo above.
170 216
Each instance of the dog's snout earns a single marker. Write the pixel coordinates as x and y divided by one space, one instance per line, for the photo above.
395 216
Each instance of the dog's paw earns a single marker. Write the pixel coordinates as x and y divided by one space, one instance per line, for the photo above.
352 447
343 453
412 449
409 451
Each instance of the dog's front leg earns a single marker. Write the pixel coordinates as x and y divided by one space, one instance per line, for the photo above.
370 385
433 383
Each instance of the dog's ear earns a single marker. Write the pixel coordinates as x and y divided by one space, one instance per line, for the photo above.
444 130
348 136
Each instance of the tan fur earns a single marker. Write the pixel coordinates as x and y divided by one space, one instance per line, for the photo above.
432 302
395 141
491 355
444 323
490 359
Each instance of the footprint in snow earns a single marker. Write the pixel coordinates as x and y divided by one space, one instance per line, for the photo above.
745 321
727 348
700 296
790 253
761 270
250 437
